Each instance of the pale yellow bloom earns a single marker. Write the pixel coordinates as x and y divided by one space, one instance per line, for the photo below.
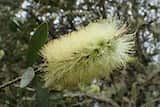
91 53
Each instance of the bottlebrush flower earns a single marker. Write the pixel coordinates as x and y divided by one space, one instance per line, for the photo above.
91 53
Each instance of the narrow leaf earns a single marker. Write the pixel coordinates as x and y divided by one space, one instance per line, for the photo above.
37 41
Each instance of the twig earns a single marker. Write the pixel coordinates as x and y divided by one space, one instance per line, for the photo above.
152 101
130 102
10 82
27 88
104 100
97 98
81 103
16 79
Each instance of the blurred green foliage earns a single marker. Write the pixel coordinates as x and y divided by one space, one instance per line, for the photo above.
135 86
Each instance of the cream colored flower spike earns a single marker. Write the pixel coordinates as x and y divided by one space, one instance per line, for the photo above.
91 53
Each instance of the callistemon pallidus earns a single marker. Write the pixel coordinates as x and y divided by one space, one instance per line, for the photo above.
91 53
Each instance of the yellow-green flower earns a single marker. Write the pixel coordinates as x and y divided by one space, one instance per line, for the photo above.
91 53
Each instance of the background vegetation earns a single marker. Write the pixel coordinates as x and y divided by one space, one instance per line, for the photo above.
136 86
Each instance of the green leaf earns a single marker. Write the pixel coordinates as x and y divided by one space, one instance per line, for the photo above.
27 77
2 53
42 97
15 24
134 92
37 41
42 94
